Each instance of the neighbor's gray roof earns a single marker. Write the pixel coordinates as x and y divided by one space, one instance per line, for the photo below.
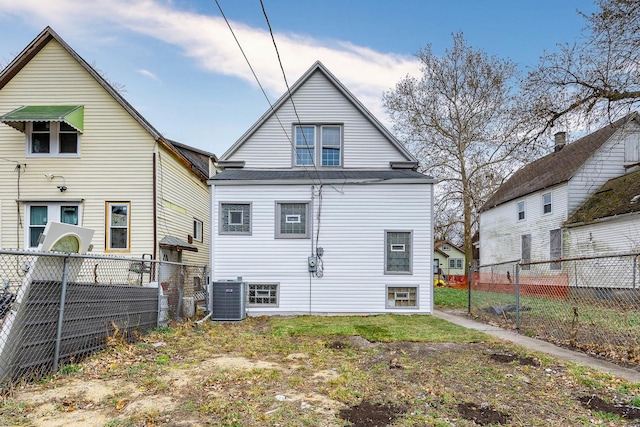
615 197
176 243
276 175
198 158
554 168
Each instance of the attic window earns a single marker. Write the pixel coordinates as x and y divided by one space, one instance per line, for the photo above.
326 138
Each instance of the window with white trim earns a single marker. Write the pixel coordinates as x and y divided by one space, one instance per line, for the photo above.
398 252
235 218
39 214
52 139
521 212
263 294
197 230
118 226
292 220
455 263
402 296
319 145
546 203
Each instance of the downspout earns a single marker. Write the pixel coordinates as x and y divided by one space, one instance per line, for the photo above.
155 207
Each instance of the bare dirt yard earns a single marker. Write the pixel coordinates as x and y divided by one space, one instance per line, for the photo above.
252 374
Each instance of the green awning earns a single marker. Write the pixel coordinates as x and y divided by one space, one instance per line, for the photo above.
73 115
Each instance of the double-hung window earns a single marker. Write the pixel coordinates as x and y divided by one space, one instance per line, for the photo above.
398 252
118 226
319 145
455 263
521 213
546 203
292 220
52 139
305 145
38 215
197 230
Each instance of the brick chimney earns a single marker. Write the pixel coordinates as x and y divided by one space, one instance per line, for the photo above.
560 141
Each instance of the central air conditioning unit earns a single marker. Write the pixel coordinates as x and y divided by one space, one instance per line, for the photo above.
228 300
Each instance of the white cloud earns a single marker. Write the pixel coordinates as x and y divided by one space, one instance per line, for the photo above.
148 73
208 41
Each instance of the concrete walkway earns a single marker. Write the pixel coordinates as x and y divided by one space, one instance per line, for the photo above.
543 346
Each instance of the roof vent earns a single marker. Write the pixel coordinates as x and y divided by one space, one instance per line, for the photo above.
635 198
560 141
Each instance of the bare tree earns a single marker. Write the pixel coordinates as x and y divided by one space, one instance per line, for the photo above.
462 119
596 77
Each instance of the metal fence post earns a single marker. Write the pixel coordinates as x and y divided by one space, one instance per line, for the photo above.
63 296
469 289
517 296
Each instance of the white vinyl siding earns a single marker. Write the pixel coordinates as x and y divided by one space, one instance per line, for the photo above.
606 163
619 234
352 235
500 232
364 146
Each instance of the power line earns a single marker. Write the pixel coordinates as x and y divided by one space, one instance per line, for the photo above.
263 90
284 76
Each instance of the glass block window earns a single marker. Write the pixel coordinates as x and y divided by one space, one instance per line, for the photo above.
292 220
398 252
235 218
402 297
263 294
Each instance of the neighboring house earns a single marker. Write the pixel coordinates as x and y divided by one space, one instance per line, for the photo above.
526 219
74 151
453 263
609 221
320 210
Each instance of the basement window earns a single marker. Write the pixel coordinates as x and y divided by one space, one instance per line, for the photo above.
263 294
402 297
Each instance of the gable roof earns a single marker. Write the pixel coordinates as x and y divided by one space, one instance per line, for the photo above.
440 243
42 39
555 168
617 196
318 67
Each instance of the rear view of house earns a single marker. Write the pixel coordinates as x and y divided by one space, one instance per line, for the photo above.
319 209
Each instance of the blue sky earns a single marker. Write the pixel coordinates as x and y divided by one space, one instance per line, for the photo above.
182 70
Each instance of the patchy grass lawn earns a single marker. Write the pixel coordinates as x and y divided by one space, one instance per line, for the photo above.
450 298
321 371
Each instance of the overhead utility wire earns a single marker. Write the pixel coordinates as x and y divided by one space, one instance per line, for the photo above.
284 76
261 87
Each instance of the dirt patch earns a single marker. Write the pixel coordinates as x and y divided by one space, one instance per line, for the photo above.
367 414
336 345
509 358
595 403
482 414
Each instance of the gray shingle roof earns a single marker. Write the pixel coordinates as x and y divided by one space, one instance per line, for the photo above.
556 167
269 175
616 197
199 159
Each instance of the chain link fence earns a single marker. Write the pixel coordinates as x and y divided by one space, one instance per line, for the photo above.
57 309
591 304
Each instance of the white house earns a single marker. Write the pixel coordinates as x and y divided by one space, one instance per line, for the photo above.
609 221
320 210
527 217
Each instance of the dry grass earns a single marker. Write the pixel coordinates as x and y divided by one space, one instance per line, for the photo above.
305 371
